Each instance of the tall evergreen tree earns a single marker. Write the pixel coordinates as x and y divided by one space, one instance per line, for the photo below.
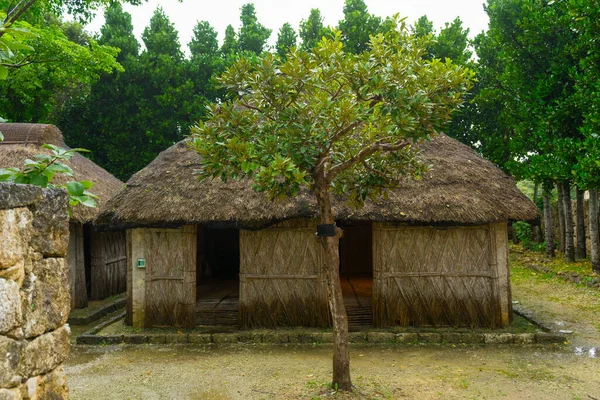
312 30
230 44
286 39
253 35
357 26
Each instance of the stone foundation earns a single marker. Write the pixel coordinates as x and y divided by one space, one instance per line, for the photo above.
34 292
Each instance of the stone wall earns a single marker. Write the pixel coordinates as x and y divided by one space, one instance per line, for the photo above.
34 292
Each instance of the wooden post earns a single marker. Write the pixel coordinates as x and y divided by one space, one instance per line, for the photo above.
138 279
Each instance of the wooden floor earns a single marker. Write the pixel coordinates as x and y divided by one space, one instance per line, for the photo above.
358 298
217 302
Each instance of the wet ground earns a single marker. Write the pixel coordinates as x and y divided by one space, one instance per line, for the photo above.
570 371
268 372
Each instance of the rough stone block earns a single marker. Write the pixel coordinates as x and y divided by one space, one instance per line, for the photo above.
10 306
407 337
15 234
475 338
453 337
498 338
45 297
15 273
199 338
51 224
10 357
45 353
177 338
157 339
221 338
525 338
430 337
249 337
380 337
546 337
13 195
135 339
327 337
275 337
11 394
111 339
300 337
50 386
357 337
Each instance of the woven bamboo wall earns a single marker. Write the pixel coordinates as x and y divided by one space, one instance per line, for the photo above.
435 277
108 264
170 275
76 262
281 283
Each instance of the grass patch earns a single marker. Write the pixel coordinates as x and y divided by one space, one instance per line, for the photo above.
557 265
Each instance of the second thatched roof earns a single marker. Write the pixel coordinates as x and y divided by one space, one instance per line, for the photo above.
460 188
23 141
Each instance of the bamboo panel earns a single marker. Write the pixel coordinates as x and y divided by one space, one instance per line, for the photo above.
108 264
170 276
76 261
426 276
281 281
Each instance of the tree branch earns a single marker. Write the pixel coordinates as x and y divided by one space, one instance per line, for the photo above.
363 154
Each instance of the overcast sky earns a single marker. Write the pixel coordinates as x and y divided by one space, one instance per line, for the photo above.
274 13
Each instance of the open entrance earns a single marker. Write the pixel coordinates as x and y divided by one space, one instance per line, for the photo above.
217 276
356 272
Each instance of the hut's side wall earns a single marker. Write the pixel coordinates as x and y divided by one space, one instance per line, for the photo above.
76 263
281 283
108 264
129 270
164 292
500 232
426 276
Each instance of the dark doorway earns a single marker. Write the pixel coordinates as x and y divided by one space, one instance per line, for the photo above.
356 272
217 276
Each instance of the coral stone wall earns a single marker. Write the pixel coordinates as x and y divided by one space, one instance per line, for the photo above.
34 292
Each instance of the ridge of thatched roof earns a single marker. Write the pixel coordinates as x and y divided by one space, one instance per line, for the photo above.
460 188
22 141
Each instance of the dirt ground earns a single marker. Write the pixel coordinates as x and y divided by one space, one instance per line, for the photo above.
570 371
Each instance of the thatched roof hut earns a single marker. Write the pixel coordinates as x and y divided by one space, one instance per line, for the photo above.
22 141
96 260
460 188
435 252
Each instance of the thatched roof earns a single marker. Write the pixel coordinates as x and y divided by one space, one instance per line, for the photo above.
460 188
22 141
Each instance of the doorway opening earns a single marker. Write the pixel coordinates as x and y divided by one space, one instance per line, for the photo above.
217 276
356 272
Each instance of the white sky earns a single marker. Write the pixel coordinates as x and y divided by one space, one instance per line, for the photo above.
274 13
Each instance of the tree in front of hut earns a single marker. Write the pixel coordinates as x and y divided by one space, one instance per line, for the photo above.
44 167
330 122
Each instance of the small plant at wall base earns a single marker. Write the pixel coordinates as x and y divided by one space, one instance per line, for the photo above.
44 167
330 122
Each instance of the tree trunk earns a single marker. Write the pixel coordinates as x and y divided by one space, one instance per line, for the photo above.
548 229
594 234
331 265
580 217
561 217
568 212
537 233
